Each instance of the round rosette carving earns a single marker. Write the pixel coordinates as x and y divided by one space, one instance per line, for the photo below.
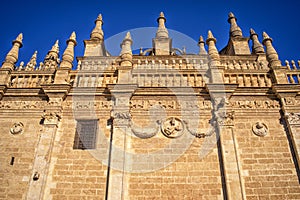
17 128
172 127
260 129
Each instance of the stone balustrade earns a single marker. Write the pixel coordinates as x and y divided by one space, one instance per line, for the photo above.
30 80
293 72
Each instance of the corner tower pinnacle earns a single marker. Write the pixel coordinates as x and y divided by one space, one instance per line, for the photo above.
235 30
162 32
95 45
13 54
162 44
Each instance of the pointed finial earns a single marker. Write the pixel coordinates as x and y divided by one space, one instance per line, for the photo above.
126 44
212 49
252 32
141 51
55 47
201 40
235 30
13 55
32 62
99 18
128 36
210 36
161 16
68 55
162 32
201 45
271 53
231 15
97 32
19 39
257 47
126 52
73 36
266 36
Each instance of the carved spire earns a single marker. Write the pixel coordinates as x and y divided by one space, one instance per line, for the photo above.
97 33
13 54
257 47
52 58
162 32
68 55
201 45
32 62
212 49
126 52
272 55
55 47
235 30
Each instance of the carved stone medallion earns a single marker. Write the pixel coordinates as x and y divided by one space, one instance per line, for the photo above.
172 127
17 128
260 129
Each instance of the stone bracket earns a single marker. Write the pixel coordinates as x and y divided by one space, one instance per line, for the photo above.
3 89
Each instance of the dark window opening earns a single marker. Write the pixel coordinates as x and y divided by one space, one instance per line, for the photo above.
85 136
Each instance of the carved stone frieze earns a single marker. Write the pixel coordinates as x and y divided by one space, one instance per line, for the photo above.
260 129
19 105
254 104
17 128
88 105
55 102
291 101
121 115
168 104
293 118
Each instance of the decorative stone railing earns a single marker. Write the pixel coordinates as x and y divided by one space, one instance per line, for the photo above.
92 79
169 79
30 79
97 64
181 63
248 79
293 72
245 64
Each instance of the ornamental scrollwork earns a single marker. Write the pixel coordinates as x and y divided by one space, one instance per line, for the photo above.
293 118
122 115
225 118
51 117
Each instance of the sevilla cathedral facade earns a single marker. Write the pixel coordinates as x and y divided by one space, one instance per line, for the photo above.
151 123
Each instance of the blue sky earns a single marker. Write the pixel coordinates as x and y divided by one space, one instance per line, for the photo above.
43 22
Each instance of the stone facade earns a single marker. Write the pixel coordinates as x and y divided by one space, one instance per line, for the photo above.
162 124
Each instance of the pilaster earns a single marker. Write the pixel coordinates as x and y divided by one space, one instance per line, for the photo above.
287 94
120 141
233 188
50 120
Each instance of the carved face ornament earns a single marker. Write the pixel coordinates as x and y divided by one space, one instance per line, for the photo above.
172 127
